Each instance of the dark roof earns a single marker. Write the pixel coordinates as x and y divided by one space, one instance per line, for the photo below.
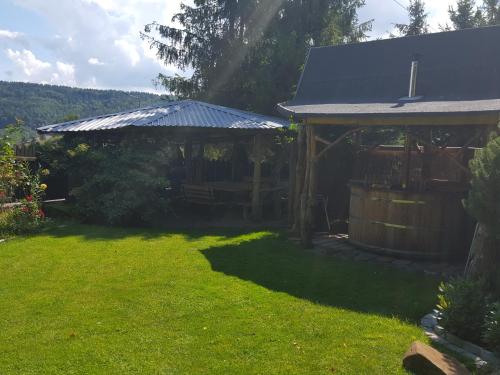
458 71
186 113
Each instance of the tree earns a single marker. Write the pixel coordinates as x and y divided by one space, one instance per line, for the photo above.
248 53
417 20
465 15
483 204
491 12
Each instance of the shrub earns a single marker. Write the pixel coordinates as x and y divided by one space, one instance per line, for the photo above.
491 335
462 306
119 183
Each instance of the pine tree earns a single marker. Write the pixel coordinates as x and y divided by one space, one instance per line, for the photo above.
491 12
248 53
465 15
417 20
483 204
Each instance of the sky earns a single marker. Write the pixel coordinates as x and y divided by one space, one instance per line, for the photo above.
96 43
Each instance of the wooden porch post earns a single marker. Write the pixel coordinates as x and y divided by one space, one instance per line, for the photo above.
292 168
188 160
256 180
300 175
308 201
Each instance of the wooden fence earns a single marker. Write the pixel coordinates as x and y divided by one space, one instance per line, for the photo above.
25 151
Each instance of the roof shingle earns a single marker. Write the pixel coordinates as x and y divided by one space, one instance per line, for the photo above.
459 71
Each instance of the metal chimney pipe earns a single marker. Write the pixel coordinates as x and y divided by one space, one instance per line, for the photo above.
413 79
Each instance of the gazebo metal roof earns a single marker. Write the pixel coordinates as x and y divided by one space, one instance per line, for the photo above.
185 113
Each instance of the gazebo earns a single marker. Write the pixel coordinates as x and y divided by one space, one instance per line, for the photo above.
191 124
444 83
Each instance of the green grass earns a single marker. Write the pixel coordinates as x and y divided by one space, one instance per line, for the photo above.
92 300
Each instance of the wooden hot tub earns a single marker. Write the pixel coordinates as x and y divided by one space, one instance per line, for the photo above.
421 225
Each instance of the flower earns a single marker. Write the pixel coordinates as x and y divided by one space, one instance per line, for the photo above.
43 187
45 172
29 198
41 214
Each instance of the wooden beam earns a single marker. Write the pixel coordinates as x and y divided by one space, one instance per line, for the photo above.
418 120
336 142
300 175
322 140
450 157
309 197
256 179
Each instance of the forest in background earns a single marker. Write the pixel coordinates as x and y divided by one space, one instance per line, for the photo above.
37 105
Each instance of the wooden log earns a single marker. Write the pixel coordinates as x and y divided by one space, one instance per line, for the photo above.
292 173
309 196
256 180
300 174
188 161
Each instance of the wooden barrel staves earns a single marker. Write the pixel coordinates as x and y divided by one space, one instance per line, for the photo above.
426 225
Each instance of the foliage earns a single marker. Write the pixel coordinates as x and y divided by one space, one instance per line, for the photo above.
17 179
236 301
39 105
462 305
417 20
117 183
483 202
239 48
466 14
491 335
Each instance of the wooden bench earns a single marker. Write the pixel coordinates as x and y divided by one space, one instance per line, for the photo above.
199 194
203 195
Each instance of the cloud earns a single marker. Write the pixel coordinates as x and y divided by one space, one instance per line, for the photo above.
129 50
100 39
95 61
28 62
388 12
9 34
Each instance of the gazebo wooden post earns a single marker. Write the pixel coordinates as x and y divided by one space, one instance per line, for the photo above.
188 159
300 175
292 172
200 164
256 180
308 201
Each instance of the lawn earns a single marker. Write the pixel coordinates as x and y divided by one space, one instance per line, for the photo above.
88 300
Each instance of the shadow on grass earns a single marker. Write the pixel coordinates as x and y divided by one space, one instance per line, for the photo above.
60 229
271 261
279 265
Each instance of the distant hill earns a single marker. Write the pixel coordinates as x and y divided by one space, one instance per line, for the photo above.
39 105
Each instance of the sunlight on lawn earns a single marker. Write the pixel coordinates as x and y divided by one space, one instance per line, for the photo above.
86 300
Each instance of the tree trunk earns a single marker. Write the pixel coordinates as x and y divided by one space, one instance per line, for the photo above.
484 257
